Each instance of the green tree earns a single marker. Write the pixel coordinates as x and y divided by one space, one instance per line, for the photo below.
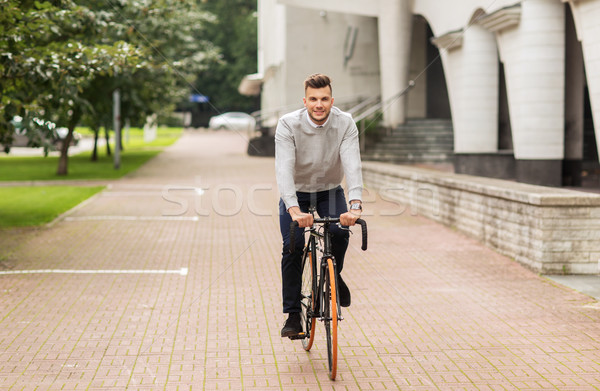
171 33
60 61
234 32
47 63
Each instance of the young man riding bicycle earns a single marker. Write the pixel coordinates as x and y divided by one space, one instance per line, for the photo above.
314 148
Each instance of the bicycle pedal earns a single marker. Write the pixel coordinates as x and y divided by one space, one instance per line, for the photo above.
298 336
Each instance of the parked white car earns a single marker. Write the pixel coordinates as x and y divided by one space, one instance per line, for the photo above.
233 121
40 136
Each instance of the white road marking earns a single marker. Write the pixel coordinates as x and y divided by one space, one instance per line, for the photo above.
183 271
132 218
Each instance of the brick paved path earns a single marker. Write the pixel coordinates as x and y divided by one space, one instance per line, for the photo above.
432 309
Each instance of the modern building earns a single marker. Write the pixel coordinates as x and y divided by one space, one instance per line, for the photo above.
520 81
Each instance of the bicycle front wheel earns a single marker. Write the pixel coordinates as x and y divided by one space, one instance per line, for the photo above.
307 302
331 318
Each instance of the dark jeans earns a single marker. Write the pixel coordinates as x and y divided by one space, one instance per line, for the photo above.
330 203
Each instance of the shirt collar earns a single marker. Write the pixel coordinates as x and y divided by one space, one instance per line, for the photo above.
310 121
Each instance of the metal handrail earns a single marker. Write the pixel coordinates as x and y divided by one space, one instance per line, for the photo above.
365 103
377 105
367 113
373 109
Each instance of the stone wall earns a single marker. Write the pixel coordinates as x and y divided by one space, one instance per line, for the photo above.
550 230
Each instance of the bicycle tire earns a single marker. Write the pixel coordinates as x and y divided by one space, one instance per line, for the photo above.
331 319
307 303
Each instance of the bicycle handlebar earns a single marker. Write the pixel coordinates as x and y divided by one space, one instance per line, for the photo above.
330 220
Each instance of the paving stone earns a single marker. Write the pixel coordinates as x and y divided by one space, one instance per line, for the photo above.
431 308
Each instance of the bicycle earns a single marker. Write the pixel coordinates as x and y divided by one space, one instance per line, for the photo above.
320 297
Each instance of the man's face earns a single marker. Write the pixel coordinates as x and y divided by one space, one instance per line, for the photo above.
318 102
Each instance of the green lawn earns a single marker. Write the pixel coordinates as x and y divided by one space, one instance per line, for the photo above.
136 153
134 138
80 166
30 206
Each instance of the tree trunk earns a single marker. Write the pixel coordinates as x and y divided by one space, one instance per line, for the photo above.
106 130
63 161
121 138
96 130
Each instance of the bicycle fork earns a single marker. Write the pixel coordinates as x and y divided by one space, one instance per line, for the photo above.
322 302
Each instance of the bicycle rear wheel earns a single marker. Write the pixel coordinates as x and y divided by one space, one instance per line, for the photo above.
331 318
307 302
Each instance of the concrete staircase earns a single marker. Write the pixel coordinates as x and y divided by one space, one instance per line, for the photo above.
416 141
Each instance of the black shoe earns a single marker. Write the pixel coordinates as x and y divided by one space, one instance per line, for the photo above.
344 292
292 326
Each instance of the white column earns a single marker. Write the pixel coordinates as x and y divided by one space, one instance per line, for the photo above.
395 29
470 59
574 96
587 14
534 61
475 114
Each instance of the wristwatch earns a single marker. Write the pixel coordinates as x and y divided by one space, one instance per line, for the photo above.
356 206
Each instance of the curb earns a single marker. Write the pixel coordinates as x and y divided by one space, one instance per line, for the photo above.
77 207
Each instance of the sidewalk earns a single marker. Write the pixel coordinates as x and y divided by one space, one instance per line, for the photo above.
170 279
85 144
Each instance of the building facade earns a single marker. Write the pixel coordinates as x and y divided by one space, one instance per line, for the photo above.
520 81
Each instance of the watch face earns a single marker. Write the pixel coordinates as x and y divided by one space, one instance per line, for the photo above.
356 206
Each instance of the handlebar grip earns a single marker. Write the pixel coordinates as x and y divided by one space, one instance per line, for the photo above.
293 226
363 226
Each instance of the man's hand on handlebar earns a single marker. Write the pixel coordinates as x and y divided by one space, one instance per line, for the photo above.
303 219
348 219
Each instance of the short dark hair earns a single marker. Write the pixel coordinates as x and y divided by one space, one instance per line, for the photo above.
318 80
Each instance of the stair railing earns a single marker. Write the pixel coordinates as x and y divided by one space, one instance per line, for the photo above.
371 106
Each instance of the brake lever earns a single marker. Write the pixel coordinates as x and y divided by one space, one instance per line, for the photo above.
340 226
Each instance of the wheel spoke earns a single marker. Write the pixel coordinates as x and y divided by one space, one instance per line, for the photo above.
307 301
